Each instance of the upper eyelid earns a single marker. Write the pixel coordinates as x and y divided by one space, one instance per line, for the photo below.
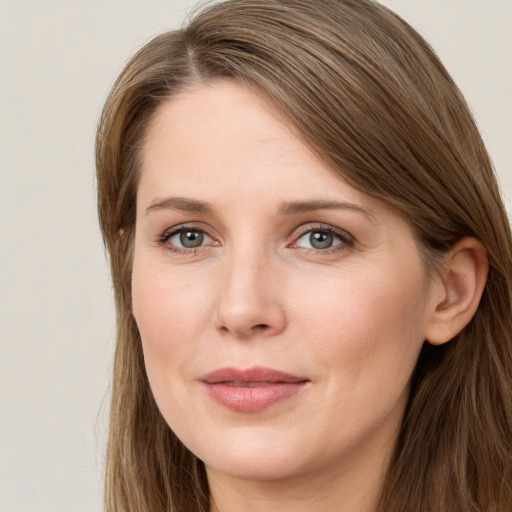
187 225
343 233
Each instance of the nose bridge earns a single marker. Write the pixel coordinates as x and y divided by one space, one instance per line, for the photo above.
249 301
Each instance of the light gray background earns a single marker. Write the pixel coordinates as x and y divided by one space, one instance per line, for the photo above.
57 61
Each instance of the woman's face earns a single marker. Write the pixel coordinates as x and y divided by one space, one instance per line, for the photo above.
281 311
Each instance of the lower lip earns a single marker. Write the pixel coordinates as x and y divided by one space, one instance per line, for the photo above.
253 399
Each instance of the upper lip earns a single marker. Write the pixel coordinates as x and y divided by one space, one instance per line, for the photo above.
254 374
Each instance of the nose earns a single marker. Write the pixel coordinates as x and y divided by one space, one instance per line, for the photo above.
250 302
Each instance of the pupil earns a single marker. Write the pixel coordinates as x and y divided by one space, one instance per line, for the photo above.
191 239
320 240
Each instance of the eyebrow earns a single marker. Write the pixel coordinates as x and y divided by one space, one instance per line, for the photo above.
183 204
297 207
286 207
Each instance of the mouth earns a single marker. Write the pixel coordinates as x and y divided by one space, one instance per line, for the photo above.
252 389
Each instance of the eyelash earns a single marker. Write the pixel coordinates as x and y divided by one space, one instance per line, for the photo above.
346 240
167 235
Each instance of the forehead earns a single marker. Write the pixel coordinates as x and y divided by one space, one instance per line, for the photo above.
221 118
223 138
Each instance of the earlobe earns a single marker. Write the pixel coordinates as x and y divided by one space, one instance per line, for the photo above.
461 284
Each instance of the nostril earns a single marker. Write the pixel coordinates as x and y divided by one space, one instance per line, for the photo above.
261 327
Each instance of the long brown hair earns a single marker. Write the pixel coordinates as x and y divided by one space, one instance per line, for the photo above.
371 98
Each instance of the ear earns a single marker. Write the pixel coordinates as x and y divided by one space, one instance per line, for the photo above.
458 291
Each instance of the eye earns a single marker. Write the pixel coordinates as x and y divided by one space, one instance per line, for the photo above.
322 239
187 238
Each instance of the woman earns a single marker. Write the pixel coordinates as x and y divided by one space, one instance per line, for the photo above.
311 263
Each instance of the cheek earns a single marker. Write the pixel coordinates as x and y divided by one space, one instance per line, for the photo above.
352 305
166 299
366 336
368 332
170 312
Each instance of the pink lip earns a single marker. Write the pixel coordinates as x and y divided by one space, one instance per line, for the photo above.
253 389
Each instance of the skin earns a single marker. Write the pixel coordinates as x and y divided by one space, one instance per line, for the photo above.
350 318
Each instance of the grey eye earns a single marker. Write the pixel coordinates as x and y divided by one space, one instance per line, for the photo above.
191 238
187 238
319 239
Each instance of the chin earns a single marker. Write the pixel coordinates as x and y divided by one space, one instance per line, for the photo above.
261 467
259 455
